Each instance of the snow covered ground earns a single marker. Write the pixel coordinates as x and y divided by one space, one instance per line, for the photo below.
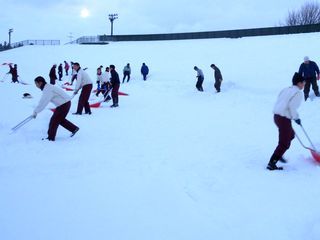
170 163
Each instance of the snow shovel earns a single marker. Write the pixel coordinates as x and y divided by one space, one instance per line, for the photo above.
315 154
19 125
123 94
97 104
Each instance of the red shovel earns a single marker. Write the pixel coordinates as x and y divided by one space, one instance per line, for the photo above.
315 154
95 105
67 89
123 94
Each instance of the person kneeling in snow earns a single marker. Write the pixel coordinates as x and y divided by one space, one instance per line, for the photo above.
61 100
284 111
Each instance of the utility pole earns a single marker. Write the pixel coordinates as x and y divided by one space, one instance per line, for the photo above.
112 17
10 31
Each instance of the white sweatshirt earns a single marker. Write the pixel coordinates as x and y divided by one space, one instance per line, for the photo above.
105 77
82 80
51 93
288 102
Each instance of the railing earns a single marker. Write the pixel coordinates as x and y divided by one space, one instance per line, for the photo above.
216 34
35 42
88 40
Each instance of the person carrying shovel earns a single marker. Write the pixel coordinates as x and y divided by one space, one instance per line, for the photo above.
61 100
284 111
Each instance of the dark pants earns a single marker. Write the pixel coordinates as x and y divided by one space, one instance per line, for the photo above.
144 76
115 94
126 74
59 118
217 85
84 99
52 81
15 79
102 89
310 81
286 135
199 84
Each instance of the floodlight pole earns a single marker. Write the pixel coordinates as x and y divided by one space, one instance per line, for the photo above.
112 17
10 31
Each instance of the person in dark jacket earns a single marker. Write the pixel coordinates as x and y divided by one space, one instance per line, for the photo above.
217 77
60 72
200 78
310 72
53 75
61 100
14 73
115 83
144 71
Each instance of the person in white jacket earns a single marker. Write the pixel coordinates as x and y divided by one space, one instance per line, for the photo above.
105 84
284 111
61 100
83 82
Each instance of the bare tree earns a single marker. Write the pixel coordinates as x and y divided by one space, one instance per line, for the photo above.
309 13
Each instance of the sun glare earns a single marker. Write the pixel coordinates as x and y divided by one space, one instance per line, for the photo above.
84 13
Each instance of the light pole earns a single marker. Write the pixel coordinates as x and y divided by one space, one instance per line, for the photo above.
10 31
112 17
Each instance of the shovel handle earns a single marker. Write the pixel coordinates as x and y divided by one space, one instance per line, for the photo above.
307 136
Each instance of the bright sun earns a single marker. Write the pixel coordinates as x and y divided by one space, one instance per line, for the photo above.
84 13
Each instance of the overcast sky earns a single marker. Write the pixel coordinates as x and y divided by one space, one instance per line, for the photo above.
58 19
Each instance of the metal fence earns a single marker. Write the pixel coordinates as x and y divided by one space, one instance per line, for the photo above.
88 40
216 34
35 42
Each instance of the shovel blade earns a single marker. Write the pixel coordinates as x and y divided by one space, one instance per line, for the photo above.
315 155
95 105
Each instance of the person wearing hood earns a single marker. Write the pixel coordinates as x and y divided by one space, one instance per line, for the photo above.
61 100
144 71
285 110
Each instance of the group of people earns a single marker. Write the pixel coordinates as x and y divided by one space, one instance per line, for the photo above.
62 101
53 75
127 72
217 76
285 108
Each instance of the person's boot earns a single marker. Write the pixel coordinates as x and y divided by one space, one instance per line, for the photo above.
283 160
272 163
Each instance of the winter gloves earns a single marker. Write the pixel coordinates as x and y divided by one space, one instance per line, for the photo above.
298 121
